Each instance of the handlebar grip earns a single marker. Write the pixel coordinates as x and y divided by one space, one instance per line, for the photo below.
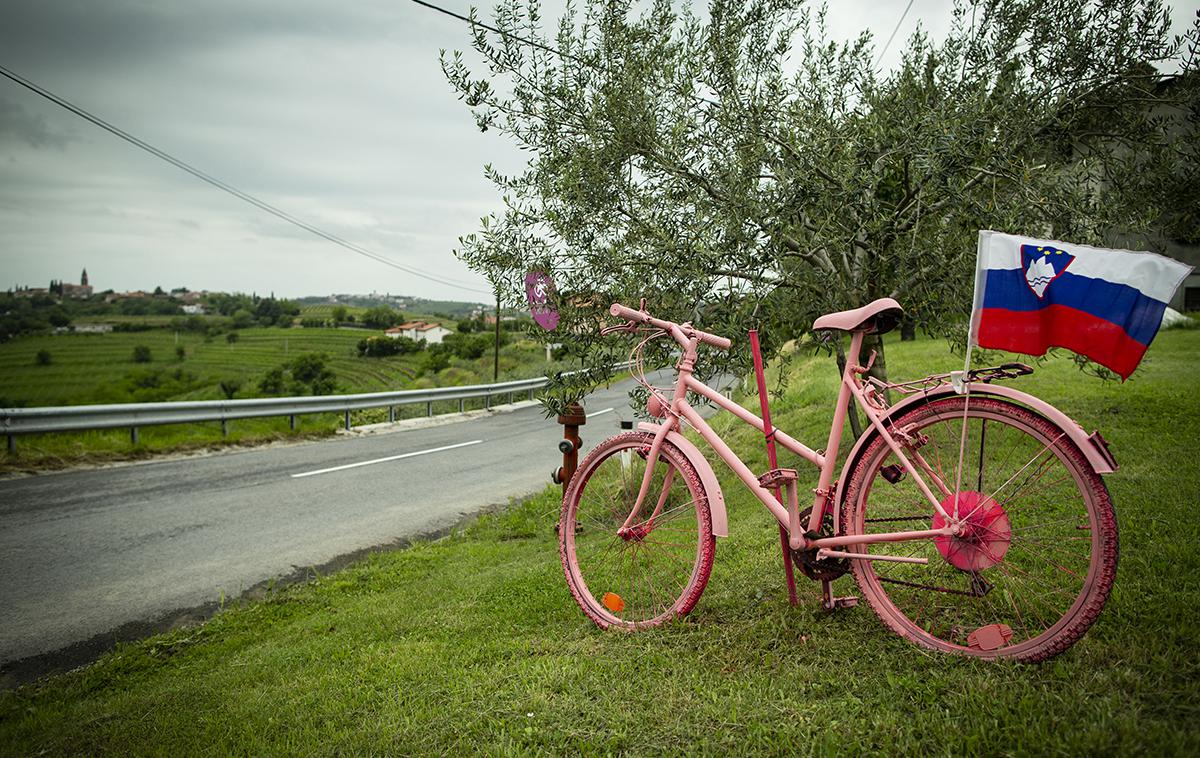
628 314
722 342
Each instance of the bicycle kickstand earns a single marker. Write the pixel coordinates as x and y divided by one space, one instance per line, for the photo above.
831 603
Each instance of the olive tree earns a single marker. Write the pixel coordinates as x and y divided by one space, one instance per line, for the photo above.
743 168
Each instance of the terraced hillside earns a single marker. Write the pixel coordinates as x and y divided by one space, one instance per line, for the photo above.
95 368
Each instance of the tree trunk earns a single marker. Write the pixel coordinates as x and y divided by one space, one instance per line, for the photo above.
908 329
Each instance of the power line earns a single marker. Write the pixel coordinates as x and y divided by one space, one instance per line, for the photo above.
889 42
225 187
517 37
534 43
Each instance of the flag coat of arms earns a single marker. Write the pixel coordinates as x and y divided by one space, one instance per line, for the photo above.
1031 295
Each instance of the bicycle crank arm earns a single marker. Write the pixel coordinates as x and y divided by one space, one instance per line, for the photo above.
827 553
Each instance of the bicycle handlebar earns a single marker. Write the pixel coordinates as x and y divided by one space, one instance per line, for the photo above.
681 332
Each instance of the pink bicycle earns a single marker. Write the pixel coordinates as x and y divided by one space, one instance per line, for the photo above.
973 517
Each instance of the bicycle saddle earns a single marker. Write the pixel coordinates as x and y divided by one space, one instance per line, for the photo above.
880 317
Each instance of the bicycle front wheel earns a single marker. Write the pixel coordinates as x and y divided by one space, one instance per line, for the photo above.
1035 560
655 570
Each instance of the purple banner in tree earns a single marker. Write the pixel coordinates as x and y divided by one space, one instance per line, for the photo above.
539 288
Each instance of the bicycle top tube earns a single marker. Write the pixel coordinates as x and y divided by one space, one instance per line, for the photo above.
682 333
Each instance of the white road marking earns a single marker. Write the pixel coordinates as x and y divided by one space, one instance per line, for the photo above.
601 413
385 460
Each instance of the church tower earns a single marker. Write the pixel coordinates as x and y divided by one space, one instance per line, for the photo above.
83 279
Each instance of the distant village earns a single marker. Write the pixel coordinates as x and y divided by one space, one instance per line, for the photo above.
82 299
190 301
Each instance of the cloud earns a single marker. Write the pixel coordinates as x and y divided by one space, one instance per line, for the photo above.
20 125
335 112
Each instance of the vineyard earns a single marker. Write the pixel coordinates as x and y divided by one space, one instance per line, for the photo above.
325 311
98 368
80 369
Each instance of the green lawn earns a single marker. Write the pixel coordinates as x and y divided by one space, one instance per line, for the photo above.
473 644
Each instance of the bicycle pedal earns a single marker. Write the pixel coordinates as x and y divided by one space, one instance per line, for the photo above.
840 602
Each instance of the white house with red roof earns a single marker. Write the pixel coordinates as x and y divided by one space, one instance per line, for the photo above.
419 330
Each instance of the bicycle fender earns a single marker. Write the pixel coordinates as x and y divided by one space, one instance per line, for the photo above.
1093 446
716 499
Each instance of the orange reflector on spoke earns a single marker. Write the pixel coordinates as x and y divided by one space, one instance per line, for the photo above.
613 602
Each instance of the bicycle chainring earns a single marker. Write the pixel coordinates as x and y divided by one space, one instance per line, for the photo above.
819 569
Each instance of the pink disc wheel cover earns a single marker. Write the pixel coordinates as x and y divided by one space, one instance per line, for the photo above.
985 535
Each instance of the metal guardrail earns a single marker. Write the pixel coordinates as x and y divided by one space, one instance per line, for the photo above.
18 421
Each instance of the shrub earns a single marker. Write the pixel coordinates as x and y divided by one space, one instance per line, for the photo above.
180 352
272 382
229 387
378 347
307 366
141 354
307 373
468 346
435 360
43 358
380 317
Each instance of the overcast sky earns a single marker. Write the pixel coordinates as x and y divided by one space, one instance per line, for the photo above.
336 112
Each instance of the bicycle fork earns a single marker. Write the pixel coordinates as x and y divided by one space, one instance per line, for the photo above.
629 530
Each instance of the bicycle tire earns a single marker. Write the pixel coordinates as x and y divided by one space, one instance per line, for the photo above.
1036 560
646 580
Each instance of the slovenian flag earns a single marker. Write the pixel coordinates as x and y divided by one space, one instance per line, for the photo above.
1031 295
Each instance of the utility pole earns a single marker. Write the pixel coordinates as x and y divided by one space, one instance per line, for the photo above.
496 365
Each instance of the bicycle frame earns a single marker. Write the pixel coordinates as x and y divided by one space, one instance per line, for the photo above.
852 388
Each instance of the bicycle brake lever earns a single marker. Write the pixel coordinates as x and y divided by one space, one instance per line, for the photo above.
628 326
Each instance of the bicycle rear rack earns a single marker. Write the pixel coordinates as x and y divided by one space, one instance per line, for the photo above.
981 375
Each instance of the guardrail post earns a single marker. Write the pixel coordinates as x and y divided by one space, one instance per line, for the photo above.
429 408
531 391
487 402
12 443
133 434
391 414
224 427
510 398
462 401
292 422
347 420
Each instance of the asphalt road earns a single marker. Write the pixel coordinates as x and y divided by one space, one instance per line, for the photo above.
87 554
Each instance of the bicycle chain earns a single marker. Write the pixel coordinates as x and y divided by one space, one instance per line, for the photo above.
819 569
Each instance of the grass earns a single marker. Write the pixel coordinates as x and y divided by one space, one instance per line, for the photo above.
472 643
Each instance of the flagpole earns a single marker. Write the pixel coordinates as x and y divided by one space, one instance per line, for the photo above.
963 385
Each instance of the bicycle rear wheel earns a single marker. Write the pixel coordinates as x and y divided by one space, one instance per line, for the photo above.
1036 559
658 569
